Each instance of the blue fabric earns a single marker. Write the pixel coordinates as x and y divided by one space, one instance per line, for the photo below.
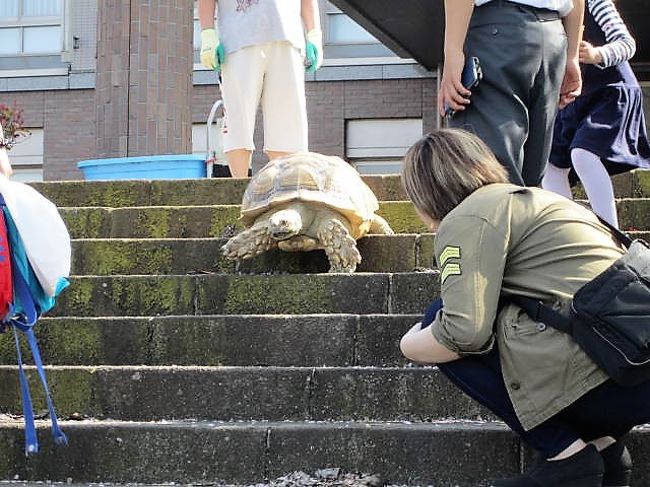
31 439
607 119
42 301
29 302
25 323
431 313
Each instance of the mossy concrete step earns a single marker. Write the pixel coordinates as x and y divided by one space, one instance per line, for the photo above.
444 454
140 393
220 191
193 221
223 220
379 253
227 340
362 293
217 191
441 454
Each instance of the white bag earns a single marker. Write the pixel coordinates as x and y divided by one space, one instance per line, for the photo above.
43 232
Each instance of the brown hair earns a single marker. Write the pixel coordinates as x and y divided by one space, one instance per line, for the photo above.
444 167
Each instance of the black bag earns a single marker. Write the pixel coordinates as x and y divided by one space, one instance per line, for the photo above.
609 316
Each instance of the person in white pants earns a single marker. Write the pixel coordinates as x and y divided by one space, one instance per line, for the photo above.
262 49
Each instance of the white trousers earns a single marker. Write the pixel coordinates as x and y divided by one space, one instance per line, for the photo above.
273 74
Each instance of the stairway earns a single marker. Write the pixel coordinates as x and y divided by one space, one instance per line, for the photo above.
169 364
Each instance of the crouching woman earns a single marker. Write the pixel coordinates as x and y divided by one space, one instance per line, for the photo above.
496 240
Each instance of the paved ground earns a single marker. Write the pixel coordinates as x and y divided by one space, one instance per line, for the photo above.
328 477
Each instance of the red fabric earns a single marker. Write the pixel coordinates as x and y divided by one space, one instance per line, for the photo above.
6 287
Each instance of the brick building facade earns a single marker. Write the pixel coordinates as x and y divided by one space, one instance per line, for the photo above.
133 87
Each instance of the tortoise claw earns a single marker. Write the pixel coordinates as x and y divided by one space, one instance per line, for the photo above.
249 243
340 247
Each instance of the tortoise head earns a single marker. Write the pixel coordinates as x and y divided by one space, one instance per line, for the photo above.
285 224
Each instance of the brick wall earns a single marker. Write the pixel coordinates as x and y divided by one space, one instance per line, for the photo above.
68 122
68 117
143 84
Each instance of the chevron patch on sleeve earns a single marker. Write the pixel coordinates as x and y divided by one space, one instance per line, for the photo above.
450 252
451 269
448 267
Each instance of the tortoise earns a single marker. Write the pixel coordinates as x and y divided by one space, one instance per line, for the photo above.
307 201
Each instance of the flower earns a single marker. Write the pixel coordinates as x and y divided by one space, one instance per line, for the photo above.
12 125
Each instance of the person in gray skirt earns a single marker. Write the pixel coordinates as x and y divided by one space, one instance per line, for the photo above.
528 51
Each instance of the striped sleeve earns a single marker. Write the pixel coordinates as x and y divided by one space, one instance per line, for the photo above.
620 45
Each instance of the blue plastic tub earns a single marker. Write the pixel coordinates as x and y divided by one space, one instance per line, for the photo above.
183 166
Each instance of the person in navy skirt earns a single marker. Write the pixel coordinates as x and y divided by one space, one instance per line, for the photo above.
604 131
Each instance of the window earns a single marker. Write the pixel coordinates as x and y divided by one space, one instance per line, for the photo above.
341 29
31 27
344 38
377 146
27 158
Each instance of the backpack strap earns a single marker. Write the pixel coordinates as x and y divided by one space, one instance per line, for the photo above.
624 239
31 439
25 323
538 311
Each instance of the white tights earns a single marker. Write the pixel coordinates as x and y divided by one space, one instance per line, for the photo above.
594 178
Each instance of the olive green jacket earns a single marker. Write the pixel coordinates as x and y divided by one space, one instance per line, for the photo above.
503 240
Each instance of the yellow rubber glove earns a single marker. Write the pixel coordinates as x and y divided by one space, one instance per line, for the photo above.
213 54
314 50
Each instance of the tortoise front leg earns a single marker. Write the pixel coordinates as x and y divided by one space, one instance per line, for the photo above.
340 247
249 243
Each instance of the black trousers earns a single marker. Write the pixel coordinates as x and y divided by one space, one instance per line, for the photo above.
522 51
607 410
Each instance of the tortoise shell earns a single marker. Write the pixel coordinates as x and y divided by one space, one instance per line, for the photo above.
310 177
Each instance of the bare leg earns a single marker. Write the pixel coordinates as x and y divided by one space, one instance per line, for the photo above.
602 443
274 155
572 449
239 161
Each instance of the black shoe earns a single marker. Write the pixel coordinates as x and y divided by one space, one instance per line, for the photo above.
583 469
618 465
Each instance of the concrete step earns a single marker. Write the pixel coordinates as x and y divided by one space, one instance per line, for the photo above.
441 454
357 293
222 220
142 393
193 221
217 191
220 191
231 340
444 454
380 253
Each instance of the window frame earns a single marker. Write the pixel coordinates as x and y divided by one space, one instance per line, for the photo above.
39 63
369 159
27 160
